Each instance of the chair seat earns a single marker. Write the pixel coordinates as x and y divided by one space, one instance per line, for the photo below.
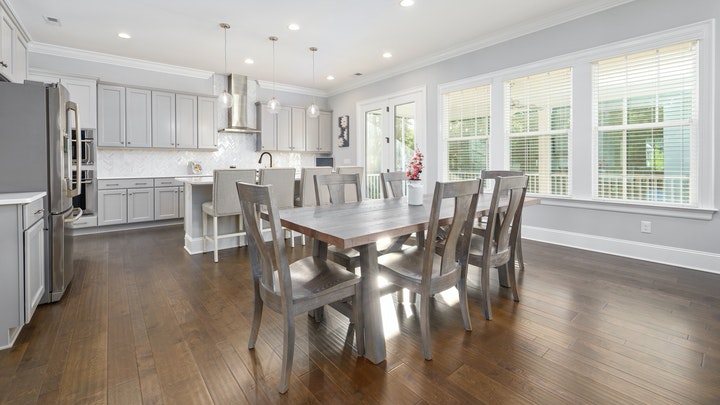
476 252
311 276
405 268
209 208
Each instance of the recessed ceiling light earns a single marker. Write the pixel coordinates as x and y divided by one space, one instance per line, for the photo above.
387 55
407 3
330 77
293 27
249 61
124 35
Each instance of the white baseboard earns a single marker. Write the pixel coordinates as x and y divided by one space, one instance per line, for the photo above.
692 259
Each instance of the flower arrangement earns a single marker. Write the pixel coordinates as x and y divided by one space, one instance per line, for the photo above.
415 166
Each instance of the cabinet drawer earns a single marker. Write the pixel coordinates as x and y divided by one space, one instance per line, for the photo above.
167 182
33 212
114 184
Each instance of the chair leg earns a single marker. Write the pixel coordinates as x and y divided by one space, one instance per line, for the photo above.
510 270
425 326
257 315
204 229
462 294
215 239
359 322
485 280
288 351
519 253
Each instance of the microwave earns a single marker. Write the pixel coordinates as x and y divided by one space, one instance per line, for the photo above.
87 146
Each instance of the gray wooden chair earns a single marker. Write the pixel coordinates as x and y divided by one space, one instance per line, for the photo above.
393 184
424 271
488 177
349 189
290 289
495 248
224 203
335 185
284 191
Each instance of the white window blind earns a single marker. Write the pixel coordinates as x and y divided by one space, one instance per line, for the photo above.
538 113
644 126
466 130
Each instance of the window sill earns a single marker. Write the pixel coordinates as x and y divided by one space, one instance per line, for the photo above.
705 214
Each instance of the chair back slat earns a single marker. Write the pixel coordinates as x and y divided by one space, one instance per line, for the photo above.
335 186
488 177
393 184
225 199
350 194
457 234
505 210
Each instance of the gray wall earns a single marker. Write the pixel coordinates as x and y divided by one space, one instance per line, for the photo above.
685 242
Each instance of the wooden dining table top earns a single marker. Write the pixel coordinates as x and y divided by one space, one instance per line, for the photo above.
360 223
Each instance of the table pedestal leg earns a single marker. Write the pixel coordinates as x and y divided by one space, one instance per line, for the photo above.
372 313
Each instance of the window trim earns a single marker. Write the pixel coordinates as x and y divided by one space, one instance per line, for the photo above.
581 149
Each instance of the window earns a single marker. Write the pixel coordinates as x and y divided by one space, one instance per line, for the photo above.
644 126
466 132
538 120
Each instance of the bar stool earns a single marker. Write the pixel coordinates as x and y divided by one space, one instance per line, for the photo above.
283 190
225 202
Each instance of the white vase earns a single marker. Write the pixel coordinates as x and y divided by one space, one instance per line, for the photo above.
415 192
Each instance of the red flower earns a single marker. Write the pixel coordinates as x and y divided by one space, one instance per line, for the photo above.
415 166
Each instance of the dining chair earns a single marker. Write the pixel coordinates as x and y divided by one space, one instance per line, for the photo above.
335 184
290 288
284 191
306 194
224 203
495 247
349 189
425 271
488 177
393 184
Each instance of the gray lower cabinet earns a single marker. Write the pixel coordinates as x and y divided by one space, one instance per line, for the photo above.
112 207
22 276
127 201
167 203
141 205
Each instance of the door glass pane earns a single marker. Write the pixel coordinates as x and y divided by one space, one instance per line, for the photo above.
404 134
373 155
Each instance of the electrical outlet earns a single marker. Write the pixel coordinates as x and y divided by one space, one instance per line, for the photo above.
645 226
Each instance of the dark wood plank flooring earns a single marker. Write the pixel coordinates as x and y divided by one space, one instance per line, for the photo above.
144 322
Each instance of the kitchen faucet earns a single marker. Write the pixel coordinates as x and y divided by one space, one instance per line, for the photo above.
263 154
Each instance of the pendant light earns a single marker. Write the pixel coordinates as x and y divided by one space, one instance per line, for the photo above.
225 99
313 111
273 105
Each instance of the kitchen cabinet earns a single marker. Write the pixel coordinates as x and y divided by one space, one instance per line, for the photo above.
138 118
318 133
20 65
83 91
111 116
274 129
140 205
22 247
7 42
163 119
123 201
297 129
112 207
169 199
186 121
207 123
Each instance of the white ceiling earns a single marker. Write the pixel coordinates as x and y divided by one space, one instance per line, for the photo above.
350 35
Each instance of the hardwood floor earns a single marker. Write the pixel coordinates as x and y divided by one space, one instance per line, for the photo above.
144 322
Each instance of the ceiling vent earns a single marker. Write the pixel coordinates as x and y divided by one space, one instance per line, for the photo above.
52 20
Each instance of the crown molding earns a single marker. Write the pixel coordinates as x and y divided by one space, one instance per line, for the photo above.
90 56
264 84
517 31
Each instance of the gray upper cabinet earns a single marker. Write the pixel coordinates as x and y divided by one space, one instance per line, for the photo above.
111 115
84 93
138 119
13 50
186 121
163 119
290 130
207 125
318 133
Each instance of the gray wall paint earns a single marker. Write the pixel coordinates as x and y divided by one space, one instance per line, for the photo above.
630 20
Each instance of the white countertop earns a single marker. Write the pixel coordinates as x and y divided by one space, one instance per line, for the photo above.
196 179
21 198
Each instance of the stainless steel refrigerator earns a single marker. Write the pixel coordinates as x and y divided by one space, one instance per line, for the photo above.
36 123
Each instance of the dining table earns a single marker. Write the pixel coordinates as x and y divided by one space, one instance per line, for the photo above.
360 225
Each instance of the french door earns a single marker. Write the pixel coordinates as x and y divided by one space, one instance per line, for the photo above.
393 128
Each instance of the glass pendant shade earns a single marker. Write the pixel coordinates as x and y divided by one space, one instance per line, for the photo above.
313 111
225 100
273 106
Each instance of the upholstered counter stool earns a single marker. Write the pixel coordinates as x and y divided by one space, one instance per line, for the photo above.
283 190
225 202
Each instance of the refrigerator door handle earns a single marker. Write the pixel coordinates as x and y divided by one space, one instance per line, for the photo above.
77 212
73 191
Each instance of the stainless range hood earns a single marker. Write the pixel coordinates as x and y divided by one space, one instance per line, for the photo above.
237 114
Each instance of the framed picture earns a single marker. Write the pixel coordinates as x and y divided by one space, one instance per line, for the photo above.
344 137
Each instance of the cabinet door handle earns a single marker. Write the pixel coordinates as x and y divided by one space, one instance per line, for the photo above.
38 212
3 64
112 185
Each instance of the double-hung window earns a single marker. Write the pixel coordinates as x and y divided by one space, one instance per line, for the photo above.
538 111
466 132
645 109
